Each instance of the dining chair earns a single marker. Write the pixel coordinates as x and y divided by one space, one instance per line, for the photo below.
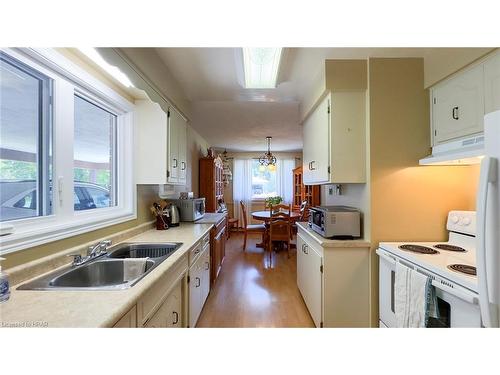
286 208
279 230
252 228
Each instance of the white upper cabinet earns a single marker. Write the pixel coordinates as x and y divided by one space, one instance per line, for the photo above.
458 106
160 145
177 160
334 140
150 137
492 84
316 145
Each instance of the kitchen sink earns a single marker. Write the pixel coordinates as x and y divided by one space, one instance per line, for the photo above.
123 267
143 250
104 272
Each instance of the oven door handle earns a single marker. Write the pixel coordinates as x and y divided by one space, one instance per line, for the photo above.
387 258
457 293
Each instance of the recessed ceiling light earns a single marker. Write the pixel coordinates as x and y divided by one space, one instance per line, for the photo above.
261 67
116 73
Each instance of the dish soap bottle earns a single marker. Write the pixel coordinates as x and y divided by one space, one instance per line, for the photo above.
4 285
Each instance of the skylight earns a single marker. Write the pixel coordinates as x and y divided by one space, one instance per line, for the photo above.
116 73
261 67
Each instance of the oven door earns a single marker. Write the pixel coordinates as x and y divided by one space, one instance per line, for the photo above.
458 307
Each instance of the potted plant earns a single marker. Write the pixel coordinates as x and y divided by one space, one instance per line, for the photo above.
273 201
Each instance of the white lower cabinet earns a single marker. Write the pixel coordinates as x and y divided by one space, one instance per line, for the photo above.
199 284
169 314
334 280
309 278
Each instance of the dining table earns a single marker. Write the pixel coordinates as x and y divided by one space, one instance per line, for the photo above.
265 216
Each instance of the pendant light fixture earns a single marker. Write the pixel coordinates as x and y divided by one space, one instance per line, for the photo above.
268 159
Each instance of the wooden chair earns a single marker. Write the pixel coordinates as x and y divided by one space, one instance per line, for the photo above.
231 223
252 228
285 208
279 230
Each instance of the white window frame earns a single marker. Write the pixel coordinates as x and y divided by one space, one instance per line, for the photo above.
70 79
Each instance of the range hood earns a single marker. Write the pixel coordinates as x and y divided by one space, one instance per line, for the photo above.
460 152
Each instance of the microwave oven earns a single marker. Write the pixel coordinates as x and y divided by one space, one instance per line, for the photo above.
190 209
335 221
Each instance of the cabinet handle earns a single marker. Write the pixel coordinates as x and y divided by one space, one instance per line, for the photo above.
175 161
183 168
309 165
208 266
199 282
312 163
197 250
454 113
176 315
305 249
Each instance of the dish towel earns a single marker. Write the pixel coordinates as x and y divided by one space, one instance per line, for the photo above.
415 298
133 268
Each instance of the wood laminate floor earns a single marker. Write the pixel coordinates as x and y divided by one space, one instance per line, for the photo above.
251 293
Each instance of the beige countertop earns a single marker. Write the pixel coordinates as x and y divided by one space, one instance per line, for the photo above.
55 308
326 242
212 218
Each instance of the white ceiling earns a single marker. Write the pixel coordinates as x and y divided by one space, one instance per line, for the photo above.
229 116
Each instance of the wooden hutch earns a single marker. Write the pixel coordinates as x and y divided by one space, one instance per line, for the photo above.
211 183
301 192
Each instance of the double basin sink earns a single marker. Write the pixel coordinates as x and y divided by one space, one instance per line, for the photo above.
123 266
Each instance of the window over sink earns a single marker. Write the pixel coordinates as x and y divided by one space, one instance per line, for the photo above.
65 150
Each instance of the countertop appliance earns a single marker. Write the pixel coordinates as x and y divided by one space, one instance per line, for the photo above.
190 209
175 217
335 221
488 224
451 267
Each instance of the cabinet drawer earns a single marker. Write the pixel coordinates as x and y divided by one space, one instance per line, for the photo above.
154 297
194 253
129 320
206 240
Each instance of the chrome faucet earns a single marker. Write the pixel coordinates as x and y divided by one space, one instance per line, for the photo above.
98 249
93 252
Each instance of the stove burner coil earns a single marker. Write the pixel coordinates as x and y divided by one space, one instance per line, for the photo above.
418 249
463 268
443 246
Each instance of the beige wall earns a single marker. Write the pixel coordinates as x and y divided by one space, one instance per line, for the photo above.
408 202
441 62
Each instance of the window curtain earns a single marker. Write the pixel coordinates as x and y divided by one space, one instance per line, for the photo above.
284 179
242 184
242 188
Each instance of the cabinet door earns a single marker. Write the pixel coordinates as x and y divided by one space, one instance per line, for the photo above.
205 275
317 144
174 164
309 278
492 84
150 143
182 145
169 314
458 106
307 150
195 275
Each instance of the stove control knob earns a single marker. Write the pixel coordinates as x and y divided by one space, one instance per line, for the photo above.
466 221
454 219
